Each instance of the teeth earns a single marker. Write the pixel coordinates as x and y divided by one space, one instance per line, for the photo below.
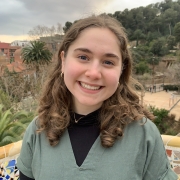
89 87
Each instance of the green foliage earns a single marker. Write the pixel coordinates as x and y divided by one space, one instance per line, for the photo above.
171 87
13 125
152 35
136 56
178 55
140 53
141 68
138 35
171 42
153 60
164 122
170 17
177 31
158 47
5 99
36 54
67 26
155 18
160 114
151 23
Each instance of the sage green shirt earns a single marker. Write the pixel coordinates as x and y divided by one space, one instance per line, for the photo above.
139 155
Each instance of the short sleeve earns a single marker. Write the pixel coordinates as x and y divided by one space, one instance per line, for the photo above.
24 161
157 166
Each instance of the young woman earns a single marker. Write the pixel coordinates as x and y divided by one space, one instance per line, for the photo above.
90 124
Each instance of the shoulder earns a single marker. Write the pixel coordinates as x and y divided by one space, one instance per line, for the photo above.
31 131
33 126
144 124
148 126
143 129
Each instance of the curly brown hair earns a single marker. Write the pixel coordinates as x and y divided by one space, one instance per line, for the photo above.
116 112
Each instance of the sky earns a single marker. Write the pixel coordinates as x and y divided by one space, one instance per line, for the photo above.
18 17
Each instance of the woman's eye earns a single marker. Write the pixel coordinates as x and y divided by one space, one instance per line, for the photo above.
83 57
108 63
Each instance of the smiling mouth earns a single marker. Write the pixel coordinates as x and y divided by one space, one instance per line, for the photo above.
89 87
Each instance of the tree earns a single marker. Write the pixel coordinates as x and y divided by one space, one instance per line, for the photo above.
177 32
140 53
170 17
36 54
12 126
165 123
175 74
171 42
38 31
67 26
142 67
166 4
158 23
138 35
158 47
44 31
59 29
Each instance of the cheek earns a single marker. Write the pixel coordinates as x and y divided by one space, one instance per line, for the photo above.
113 78
71 71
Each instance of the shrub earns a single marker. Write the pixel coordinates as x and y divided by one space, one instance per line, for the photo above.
13 125
165 123
5 100
170 87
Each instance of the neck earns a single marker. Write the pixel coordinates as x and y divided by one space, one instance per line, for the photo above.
85 110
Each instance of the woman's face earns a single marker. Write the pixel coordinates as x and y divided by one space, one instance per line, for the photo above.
92 68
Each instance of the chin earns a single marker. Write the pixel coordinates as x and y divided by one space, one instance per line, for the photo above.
91 103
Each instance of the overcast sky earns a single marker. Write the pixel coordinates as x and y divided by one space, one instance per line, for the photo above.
18 17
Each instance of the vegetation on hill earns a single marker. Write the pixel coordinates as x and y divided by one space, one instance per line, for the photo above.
155 29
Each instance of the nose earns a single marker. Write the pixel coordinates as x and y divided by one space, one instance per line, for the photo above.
93 71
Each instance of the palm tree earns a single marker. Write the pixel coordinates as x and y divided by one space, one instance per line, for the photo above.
13 125
36 54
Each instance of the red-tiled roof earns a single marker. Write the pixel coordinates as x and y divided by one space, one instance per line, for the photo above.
16 66
10 67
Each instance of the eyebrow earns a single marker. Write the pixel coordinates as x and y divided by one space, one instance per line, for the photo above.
83 50
106 54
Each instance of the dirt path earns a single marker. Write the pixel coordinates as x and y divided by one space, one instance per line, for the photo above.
163 100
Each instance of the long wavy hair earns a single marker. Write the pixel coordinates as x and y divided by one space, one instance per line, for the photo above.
116 112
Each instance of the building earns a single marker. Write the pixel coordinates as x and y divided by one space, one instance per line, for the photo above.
20 43
10 58
4 49
52 42
7 51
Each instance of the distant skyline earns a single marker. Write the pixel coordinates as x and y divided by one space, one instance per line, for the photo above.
18 17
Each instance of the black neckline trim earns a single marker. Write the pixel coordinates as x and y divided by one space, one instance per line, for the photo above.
86 120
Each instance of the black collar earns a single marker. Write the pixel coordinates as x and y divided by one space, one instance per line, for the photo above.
85 120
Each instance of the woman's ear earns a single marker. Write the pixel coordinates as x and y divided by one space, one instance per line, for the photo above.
63 60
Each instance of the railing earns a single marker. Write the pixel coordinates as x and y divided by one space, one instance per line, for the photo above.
172 146
10 152
174 105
